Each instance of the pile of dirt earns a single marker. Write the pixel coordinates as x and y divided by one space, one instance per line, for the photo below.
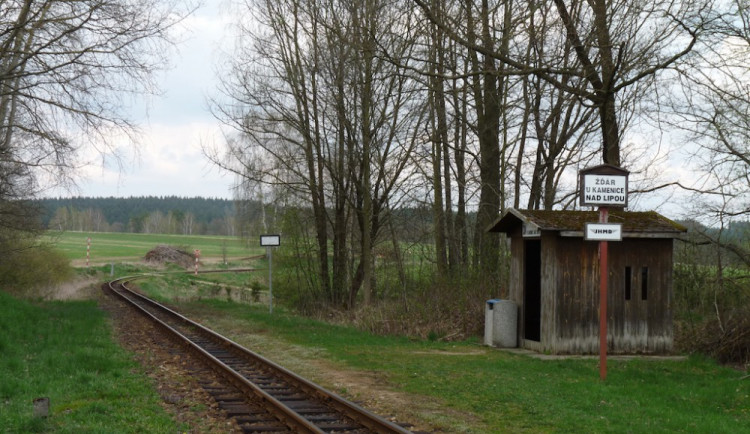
164 254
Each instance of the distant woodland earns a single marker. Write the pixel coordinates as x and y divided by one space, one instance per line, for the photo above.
199 216
147 214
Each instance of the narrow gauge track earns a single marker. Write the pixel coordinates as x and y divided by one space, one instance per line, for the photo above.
263 396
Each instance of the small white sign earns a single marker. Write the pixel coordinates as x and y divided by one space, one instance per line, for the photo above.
605 190
270 240
530 230
604 231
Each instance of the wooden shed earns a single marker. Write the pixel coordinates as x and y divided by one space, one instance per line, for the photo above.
554 279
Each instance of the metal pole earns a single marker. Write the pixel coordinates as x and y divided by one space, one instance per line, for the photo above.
270 280
603 274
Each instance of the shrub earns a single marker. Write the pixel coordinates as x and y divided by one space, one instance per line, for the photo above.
712 312
31 267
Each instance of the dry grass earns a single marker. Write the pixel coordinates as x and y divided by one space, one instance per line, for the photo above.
725 339
447 314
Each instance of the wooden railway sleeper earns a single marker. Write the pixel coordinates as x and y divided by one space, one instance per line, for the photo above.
360 420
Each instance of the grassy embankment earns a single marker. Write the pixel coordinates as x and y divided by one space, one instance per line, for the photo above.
503 392
64 351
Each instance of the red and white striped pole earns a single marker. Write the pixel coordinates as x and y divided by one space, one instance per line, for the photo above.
197 255
88 251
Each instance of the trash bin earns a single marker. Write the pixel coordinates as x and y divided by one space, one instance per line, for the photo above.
489 309
500 323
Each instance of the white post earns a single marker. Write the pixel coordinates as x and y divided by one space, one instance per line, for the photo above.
269 241
270 279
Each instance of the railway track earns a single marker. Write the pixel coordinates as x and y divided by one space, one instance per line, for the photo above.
261 396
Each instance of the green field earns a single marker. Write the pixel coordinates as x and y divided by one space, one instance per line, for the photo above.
107 247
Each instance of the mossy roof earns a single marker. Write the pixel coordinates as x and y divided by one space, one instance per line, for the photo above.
633 222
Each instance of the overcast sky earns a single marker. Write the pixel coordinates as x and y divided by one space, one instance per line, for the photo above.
169 161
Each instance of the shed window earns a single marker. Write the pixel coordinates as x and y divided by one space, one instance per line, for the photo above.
644 283
628 282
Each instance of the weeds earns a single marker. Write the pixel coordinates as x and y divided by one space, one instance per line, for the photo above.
30 267
712 311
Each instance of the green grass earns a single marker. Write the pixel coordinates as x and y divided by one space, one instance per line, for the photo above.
515 393
501 391
111 246
64 351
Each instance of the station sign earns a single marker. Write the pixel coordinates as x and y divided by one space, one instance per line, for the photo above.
530 230
603 232
604 185
270 240
605 190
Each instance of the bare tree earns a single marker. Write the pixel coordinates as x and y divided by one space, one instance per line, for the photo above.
619 46
711 106
62 65
65 70
322 116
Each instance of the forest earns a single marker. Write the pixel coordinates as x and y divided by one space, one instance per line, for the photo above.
146 214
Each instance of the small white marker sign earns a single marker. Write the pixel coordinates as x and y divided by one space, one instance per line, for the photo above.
604 231
530 230
270 240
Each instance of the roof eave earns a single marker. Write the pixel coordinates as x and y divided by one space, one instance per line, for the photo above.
507 221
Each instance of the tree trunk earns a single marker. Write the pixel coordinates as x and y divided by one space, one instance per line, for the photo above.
439 141
460 134
488 103
601 81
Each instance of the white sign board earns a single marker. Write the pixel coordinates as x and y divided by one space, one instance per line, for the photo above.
605 190
270 240
530 230
603 232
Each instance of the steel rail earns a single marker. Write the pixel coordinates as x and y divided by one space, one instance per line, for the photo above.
297 422
283 413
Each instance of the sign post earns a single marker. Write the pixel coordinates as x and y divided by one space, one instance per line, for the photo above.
270 241
603 186
603 281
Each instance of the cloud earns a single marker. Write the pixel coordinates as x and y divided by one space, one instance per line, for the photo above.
168 160
171 163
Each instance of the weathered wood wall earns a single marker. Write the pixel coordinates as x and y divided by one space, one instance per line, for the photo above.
641 325
515 290
570 295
